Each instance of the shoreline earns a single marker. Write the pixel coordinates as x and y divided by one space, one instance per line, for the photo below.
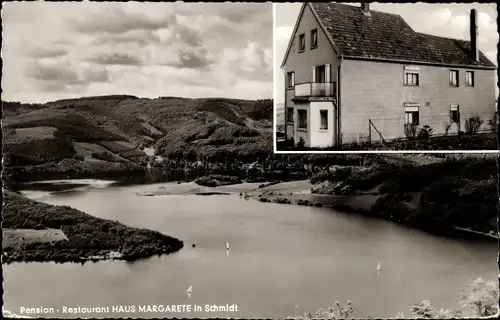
298 193
468 230
48 233
295 192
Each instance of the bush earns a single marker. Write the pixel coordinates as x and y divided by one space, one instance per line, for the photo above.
447 127
425 132
332 313
493 122
411 130
482 298
473 125
301 143
480 301
217 180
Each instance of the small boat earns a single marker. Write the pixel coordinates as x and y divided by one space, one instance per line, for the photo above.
189 291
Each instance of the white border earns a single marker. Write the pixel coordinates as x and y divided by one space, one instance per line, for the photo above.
275 146
275 91
389 152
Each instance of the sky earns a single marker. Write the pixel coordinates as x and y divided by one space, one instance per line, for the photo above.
445 19
64 50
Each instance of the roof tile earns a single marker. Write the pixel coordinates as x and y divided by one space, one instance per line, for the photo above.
387 36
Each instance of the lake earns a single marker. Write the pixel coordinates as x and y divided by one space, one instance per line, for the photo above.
281 256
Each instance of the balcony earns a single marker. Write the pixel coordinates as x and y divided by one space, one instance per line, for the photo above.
316 90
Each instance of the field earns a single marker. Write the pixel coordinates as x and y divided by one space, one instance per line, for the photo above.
18 237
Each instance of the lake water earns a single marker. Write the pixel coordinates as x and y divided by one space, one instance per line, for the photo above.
281 256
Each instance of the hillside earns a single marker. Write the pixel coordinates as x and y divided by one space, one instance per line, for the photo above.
92 132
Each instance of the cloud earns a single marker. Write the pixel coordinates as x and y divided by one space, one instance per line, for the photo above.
145 49
252 63
141 37
55 76
48 52
117 20
435 19
116 59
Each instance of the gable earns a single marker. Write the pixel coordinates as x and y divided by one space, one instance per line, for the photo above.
307 16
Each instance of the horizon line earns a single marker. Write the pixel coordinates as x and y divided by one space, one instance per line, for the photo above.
131 96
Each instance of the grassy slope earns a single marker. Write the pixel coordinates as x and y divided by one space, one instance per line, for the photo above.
116 128
86 235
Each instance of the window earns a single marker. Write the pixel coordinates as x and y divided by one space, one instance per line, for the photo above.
453 78
302 119
469 78
289 114
411 113
302 42
323 114
454 113
411 76
314 38
290 79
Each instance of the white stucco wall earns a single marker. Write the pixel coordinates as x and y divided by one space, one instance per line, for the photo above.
320 138
299 132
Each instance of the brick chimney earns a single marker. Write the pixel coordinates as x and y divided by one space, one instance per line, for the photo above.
473 35
365 7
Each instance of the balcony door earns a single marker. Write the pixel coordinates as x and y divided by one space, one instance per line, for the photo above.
320 74
321 79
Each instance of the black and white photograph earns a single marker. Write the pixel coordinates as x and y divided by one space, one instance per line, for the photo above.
140 178
384 76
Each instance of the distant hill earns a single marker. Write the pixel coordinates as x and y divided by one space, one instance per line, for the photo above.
117 128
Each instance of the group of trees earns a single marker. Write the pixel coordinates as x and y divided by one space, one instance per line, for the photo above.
481 300
87 235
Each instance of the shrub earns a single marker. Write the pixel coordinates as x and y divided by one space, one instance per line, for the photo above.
425 132
216 180
301 143
482 298
411 130
473 124
447 127
493 122
332 313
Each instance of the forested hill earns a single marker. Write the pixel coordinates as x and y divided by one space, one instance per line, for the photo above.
116 129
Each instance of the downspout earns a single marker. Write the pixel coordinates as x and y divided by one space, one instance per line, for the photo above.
286 107
339 129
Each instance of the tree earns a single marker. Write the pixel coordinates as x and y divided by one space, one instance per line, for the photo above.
333 313
424 310
482 298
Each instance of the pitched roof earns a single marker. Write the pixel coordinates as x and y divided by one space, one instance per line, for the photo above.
386 36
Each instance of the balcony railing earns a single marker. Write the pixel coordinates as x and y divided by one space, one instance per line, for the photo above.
316 89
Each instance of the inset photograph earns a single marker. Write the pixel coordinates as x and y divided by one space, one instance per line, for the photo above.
372 76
